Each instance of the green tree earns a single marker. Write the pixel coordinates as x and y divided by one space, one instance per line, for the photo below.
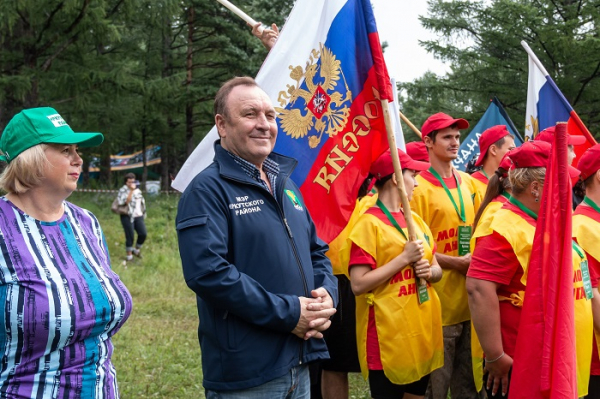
140 71
224 48
33 42
481 42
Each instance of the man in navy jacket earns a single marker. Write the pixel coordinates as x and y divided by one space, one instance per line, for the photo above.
250 252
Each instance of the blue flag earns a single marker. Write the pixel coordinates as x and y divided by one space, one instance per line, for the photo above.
494 115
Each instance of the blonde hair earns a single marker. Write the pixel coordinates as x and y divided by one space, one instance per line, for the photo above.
25 171
521 178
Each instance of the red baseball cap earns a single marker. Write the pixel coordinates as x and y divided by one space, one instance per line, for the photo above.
383 166
548 136
506 165
506 162
417 151
532 154
489 137
589 162
441 121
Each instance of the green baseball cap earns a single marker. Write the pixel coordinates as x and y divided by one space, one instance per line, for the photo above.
35 126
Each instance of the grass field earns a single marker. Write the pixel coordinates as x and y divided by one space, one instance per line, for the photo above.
156 352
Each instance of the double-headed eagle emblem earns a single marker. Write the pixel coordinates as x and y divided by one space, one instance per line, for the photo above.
534 128
320 105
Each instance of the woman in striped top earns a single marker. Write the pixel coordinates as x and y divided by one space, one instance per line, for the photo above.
61 301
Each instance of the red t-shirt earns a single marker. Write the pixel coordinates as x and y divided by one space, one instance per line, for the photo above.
500 198
481 177
449 181
359 257
594 267
494 260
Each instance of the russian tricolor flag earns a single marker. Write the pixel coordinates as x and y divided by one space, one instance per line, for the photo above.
546 106
336 144
326 77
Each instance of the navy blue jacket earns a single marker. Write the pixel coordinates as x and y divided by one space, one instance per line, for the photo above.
248 257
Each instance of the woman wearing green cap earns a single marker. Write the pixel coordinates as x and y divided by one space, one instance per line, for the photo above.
61 301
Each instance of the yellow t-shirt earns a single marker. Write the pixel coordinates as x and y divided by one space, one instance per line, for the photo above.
586 230
409 334
338 253
431 202
480 181
483 225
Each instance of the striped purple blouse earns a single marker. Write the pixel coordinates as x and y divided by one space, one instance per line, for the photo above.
61 305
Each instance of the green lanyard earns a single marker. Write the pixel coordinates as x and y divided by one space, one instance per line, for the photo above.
592 204
391 218
578 249
423 295
505 194
461 213
585 271
522 207
485 174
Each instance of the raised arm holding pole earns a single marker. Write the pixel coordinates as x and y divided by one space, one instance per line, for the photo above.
268 36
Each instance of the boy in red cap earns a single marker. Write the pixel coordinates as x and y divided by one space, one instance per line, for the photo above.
447 200
493 144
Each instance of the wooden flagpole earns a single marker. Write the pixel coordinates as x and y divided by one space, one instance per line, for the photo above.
410 224
398 170
410 125
250 21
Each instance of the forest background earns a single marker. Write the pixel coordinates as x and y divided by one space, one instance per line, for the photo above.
146 71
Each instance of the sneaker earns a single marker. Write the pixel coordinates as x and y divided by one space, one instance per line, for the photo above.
129 258
137 253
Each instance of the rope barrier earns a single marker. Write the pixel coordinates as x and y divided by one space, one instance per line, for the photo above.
89 190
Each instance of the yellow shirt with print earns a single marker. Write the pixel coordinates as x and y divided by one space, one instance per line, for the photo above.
431 202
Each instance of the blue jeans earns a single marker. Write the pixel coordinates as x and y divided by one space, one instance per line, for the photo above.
294 385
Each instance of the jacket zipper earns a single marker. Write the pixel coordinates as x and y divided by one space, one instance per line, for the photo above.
290 235
289 230
302 275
